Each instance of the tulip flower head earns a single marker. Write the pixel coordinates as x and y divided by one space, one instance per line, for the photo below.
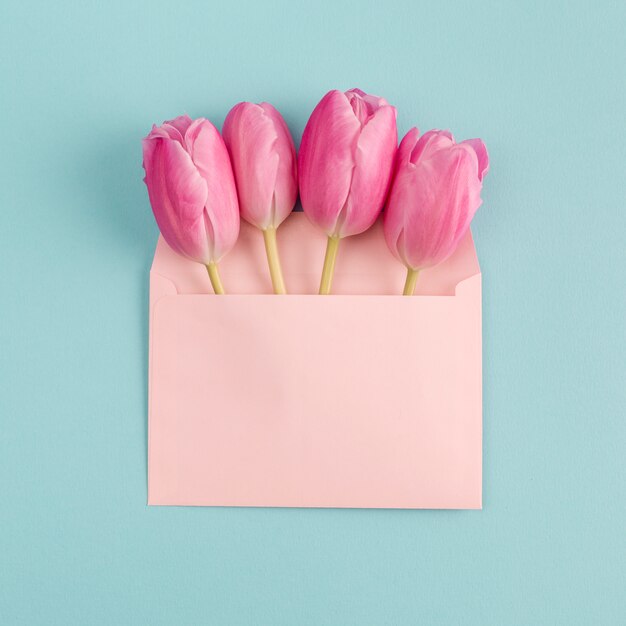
192 190
434 196
263 156
345 165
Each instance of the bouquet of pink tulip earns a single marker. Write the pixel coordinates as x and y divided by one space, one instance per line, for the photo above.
349 167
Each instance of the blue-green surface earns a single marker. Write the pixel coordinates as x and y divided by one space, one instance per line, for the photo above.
80 84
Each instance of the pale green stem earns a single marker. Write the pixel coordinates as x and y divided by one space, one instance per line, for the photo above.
271 249
329 265
215 278
411 280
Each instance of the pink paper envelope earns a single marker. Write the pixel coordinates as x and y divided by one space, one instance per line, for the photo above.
361 399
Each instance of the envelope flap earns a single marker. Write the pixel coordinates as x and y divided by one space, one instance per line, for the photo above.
364 264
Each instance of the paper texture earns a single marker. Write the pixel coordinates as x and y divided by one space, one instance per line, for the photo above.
355 400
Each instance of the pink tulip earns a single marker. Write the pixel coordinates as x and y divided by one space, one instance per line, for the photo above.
192 190
264 161
345 163
434 196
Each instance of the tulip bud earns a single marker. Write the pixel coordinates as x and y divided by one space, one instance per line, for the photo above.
345 163
192 190
264 163
434 196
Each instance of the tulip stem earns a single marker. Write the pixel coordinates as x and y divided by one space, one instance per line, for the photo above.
329 265
271 249
214 275
411 280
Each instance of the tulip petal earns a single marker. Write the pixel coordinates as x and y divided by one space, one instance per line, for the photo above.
210 156
327 159
364 104
178 195
166 133
435 194
444 195
286 185
374 158
430 142
263 157
400 201
251 138
393 215
481 152
405 150
180 123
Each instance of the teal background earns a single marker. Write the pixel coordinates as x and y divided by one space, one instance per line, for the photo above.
81 82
